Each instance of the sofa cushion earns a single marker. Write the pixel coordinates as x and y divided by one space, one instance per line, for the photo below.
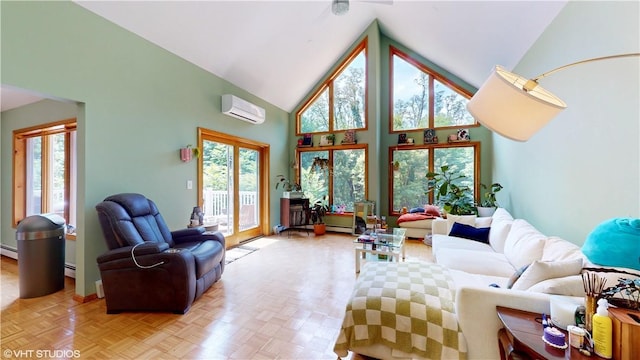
500 226
567 286
524 244
207 255
542 270
461 278
556 249
461 219
482 222
498 234
502 214
470 232
417 224
492 263
439 242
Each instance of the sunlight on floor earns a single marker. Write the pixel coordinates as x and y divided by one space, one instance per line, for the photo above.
262 242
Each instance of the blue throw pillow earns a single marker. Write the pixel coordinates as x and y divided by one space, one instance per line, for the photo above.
416 210
470 232
615 242
512 280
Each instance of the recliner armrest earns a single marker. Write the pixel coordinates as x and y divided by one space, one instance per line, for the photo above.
194 231
145 248
216 236
188 235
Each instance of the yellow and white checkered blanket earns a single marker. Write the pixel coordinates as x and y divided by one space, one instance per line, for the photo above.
405 306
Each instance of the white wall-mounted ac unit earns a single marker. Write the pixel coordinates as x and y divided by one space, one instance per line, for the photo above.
242 109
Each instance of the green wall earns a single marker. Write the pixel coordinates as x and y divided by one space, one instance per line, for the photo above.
137 104
377 134
584 166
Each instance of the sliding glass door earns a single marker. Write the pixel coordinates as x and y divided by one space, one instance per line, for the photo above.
232 185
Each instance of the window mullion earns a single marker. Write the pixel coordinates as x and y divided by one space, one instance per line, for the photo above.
330 176
67 174
332 109
45 171
432 102
431 168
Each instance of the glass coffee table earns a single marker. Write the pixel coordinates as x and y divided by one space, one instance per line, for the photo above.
387 246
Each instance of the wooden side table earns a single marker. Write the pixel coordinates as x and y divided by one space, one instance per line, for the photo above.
521 338
626 333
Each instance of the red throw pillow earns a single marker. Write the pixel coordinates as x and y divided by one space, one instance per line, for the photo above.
432 210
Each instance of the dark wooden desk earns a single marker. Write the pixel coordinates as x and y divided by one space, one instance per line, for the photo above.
521 338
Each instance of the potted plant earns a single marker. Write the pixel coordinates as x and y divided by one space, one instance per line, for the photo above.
455 199
291 189
488 205
396 165
318 210
331 139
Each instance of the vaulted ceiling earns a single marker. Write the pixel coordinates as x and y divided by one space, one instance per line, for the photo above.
278 50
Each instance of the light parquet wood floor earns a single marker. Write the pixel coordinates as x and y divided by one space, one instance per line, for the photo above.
285 301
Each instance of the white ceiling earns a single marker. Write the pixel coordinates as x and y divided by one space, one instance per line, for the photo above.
278 50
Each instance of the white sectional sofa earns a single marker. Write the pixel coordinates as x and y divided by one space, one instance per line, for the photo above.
552 266
517 267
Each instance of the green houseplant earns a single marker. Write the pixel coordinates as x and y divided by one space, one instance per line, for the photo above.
291 189
489 204
318 210
454 198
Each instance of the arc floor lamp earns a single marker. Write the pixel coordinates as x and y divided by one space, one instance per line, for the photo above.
516 107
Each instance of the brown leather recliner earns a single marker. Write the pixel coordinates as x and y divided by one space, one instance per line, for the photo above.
148 267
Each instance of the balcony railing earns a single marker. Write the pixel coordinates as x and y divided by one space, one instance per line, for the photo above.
217 205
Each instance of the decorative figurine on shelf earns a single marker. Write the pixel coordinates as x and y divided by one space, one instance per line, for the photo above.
197 217
463 135
430 136
349 137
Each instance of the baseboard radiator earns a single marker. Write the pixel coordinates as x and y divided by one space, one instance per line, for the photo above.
69 269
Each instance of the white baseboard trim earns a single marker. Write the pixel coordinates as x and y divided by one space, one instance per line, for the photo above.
339 229
69 269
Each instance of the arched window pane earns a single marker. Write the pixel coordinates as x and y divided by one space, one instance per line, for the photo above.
316 117
410 96
349 95
450 107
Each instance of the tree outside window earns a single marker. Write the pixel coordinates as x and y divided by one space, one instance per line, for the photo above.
340 103
343 180
409 183
423 99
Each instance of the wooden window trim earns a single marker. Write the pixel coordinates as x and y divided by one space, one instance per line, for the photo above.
431 167
19 178
331 149
433 75
328 83
205 134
